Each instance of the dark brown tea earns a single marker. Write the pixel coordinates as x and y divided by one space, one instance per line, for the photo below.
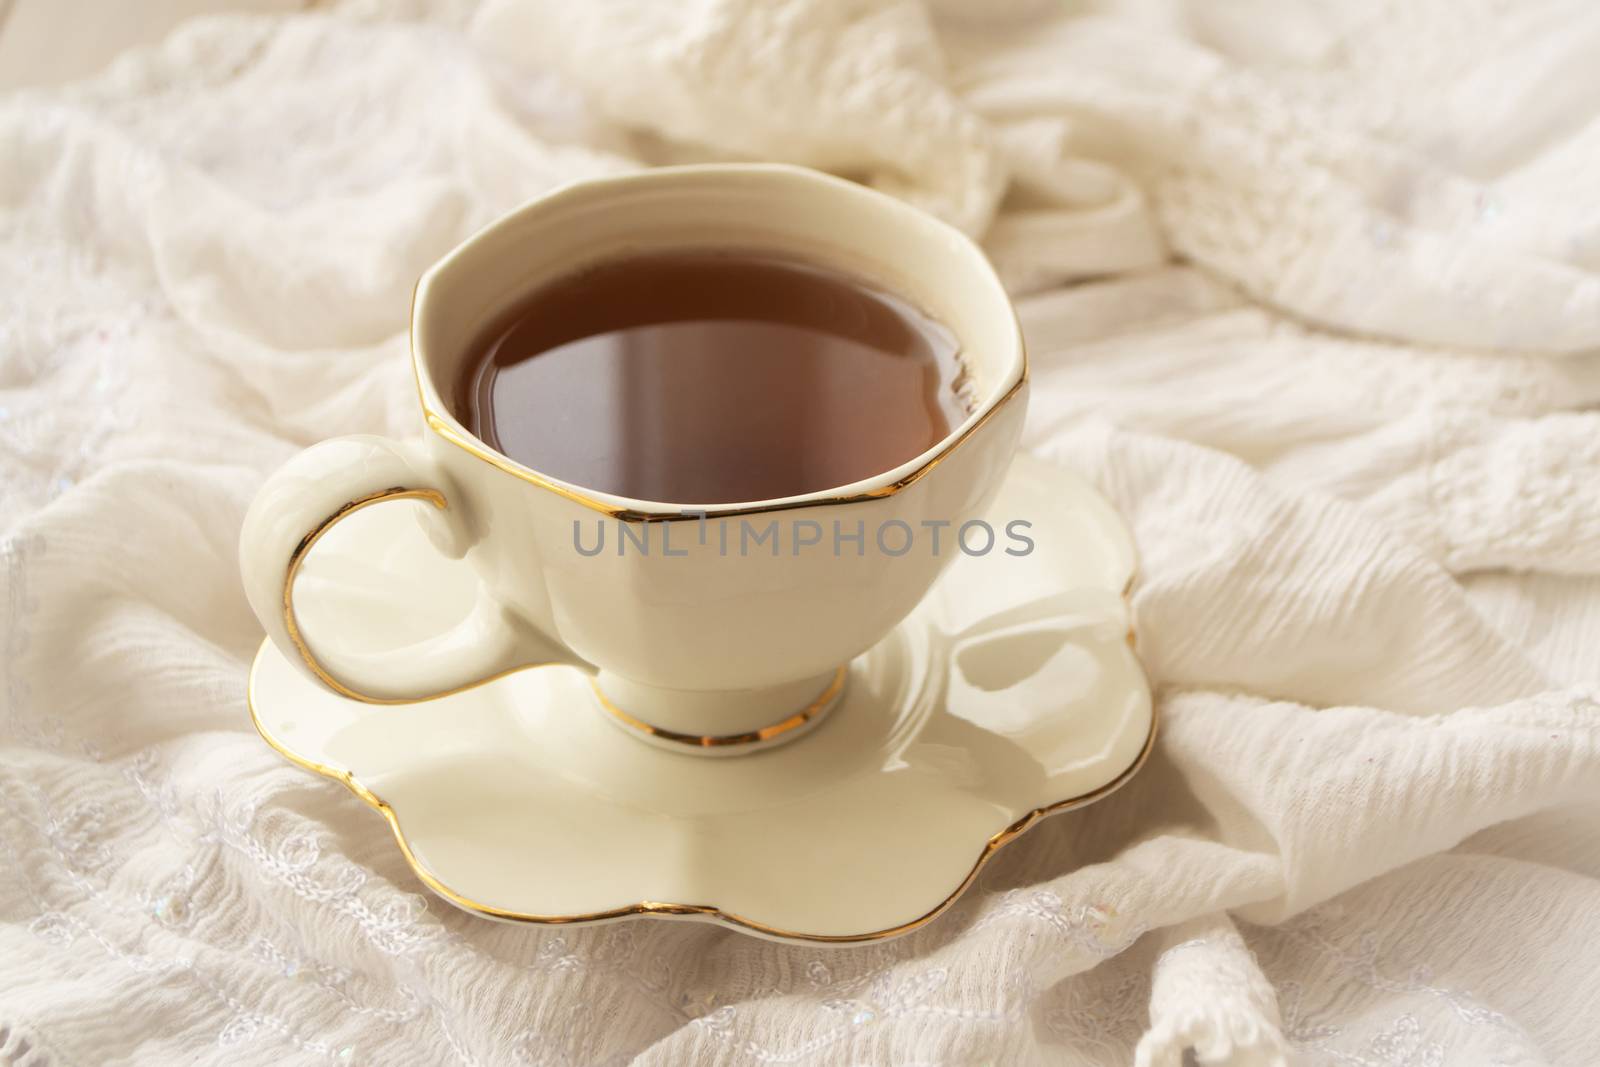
713 377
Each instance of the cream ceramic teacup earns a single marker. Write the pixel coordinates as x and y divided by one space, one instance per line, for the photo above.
693 639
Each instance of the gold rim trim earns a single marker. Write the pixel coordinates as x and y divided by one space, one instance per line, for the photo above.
996 842
477 449
811 712
470 444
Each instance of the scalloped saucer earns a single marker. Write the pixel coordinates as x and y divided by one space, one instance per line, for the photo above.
1011 693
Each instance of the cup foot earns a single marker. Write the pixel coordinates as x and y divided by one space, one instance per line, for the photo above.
760 719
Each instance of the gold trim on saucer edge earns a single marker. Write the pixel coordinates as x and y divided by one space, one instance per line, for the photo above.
996 842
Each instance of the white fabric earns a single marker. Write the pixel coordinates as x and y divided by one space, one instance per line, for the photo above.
1311 291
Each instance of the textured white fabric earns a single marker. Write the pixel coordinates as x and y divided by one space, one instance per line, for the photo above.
1311 287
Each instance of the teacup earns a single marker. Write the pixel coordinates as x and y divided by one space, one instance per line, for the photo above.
694 638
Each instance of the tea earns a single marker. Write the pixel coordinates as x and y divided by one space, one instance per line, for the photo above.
710 377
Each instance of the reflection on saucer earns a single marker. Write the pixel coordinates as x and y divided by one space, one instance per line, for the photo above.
1010 692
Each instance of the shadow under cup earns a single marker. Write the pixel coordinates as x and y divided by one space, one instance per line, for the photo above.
723 621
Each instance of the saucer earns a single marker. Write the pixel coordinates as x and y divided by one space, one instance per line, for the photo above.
1011 693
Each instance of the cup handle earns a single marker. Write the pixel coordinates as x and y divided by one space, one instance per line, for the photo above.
308 496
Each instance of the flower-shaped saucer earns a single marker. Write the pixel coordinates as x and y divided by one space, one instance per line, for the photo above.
1011 693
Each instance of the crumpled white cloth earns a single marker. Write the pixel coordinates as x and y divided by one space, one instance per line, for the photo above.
1311 291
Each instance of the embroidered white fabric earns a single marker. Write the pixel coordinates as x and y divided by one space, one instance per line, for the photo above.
1312 292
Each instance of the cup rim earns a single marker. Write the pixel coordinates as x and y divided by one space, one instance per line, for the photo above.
439 419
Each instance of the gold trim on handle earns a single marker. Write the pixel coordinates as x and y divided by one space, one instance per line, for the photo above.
995 843
292 624
808 714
